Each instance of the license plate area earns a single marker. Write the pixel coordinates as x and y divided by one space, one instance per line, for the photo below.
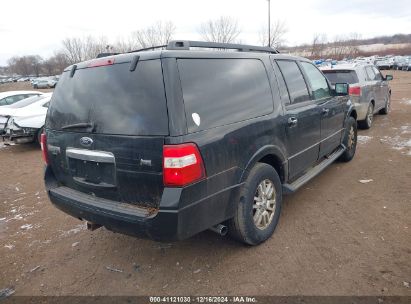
94 168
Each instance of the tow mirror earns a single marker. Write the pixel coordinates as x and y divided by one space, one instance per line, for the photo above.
341 89
389 77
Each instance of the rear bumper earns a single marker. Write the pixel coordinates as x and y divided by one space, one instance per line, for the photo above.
169 223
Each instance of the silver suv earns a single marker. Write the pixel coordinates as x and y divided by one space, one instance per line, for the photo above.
369 89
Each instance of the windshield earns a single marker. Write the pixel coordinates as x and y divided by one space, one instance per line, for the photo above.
113 99
27 101
341 76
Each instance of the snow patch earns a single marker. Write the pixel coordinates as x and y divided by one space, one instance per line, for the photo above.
407 102
75 230
26 226
398 143
363 139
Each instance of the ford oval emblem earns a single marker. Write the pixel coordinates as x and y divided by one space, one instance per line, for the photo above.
86 141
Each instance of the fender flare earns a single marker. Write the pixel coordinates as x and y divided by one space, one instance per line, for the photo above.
262 152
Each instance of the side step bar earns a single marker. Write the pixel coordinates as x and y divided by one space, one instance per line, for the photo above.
291 188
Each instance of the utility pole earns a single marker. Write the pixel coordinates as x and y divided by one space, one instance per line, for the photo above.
269 23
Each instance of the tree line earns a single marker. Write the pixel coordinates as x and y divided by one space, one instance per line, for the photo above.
76 49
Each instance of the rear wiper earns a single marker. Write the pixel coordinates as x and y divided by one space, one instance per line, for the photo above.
80 125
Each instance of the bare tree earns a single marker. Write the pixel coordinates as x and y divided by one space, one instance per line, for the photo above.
278 30
319 45
344 46
26 65
223 29
155 35
80 49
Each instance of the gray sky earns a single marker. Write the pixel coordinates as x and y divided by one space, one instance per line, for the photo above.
37 27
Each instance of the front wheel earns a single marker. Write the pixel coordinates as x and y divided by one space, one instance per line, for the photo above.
350 140
258 211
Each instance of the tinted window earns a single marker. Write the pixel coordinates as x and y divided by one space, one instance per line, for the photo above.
341 76
281 84
317 81
370 73
294 79
222 91
27 101
116 100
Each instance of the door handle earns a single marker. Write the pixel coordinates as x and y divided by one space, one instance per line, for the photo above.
292 121
325 111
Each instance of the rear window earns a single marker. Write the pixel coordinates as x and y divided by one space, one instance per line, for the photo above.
114 99
341 76
217 92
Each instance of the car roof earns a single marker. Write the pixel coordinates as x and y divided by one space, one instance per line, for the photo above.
199 54
12 93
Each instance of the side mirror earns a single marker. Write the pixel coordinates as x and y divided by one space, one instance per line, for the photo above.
341 89
389 77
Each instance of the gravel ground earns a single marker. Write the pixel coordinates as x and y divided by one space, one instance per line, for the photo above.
336 236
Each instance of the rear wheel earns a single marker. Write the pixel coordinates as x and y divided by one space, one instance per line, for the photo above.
367 122
258 210
386 109
350 140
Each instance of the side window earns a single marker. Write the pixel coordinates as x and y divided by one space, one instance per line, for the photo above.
378 75
318 83
370 73
296 85
3 102
46 105
218 92
285 97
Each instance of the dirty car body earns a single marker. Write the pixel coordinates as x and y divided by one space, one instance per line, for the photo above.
159 144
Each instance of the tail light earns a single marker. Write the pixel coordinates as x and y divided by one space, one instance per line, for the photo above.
101 62
182 165
356 91
43 144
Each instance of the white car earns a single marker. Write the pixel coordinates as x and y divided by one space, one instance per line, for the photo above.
10 97
25 124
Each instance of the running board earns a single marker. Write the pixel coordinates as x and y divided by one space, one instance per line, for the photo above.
291 188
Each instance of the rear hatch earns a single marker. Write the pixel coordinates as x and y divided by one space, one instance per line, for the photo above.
106 127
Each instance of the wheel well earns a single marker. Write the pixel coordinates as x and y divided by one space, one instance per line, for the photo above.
276 163
354 114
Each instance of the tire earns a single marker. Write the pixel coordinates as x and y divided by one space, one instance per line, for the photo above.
350 140
367 122
387 107
243 227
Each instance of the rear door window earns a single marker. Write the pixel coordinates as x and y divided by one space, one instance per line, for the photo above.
317 81
114 99
341 76
378 75
297 88
218 92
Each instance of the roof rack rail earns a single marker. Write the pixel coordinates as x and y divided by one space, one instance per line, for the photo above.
187 44
151 48
101 55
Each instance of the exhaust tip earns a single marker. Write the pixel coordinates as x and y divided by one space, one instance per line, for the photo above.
220 229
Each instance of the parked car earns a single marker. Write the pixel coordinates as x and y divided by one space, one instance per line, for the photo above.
406 66
383 64
10 97
166 144
369 89
7 111
52 81
42 83
25 124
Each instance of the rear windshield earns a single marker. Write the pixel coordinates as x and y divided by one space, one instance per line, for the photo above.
112 98
341 76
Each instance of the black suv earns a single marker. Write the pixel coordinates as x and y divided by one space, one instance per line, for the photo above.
167 143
